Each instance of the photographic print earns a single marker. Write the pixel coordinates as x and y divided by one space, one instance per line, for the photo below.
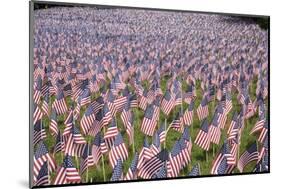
131 94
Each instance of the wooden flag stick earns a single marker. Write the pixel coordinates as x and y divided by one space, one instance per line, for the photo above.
103 170
165 133
87 171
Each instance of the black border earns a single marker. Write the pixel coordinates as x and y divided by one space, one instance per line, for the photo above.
31 11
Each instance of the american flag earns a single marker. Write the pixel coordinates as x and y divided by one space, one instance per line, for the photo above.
37 90
168 102
45 105
88 119
143 101
67 173
177 123
251 154
259 125
234 148
202 110
227 102
111 133
43 176
110 102
37 114
67 89
263 132
153 165
118 151
175 161
162 173
264 149
185 153
117 171
59 145
162 133
53 123
149 121
87 159
195 171
132 171
39 132
219 166
190 94
203 137
85 97
222 116
145 153
127 118
188 114
75 143
41 156
60 104
98 147
234 122
155 146
215 131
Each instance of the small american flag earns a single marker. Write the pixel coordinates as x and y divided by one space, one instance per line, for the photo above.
215 131
39 132
162 173
188 114
117 171
43 176
219 166
45 105
111 133
53 123
67 173
149 121
153 165
195 171
88 119
145 153
251 154
162 133
203 137
202 110
131 174
41 156
87 159
37 114
168 102
60 104
175 161
118 151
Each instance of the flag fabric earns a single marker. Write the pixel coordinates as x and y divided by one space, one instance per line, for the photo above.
188 114
127 118
37 114
118 151
53 123
214 129
149 121
195 171
43 176
162 173
162 133
60 104
264 149
45 105
175 161
203 137
202 110
85 97
75 143
111 133
155 146
222 160
132 171
263 132
59 146
251 154
145 154
98 148
153 165
168 102
67 173
117 171
39 132
41 156
222 115
177 123
87 159
88 119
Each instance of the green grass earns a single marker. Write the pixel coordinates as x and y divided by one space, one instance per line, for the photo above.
95 173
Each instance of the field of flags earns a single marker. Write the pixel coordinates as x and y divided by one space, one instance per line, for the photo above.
125 94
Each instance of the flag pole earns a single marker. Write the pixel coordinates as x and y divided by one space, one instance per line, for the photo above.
87 171
49 179
165 132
